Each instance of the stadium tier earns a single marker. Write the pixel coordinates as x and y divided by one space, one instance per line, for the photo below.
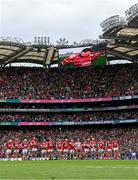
69 143
41 83
69 116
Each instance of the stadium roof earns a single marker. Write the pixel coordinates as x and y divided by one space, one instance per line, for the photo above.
14 52
121 37
11 52
122 34
124 52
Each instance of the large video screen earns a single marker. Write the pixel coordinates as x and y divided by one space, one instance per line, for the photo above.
81 57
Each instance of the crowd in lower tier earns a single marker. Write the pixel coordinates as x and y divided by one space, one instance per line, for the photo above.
68 116
69 143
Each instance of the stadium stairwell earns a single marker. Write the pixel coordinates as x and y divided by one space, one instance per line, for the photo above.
50 55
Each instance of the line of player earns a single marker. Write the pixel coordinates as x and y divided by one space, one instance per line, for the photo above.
63 148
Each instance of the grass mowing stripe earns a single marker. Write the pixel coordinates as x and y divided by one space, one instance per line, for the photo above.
69 170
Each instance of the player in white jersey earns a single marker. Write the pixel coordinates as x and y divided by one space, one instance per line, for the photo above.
78 149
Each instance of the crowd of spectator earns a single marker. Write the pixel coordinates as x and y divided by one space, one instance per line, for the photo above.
80 116
43 83
125 137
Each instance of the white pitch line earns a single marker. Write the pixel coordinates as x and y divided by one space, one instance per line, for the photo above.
113 167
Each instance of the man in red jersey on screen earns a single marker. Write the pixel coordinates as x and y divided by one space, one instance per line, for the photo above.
81 59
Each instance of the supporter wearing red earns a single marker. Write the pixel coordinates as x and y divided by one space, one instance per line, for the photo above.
66 83
80 116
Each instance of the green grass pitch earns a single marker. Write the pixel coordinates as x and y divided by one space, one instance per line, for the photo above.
67 169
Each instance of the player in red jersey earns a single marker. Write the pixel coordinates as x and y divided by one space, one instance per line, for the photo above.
71 149
65 149
86 146
101 149
115 145
50 148
43 146
25 147
93 144
93 147
8 147
100 146
16 147
108 152
34 147
59 148
108 146
78 148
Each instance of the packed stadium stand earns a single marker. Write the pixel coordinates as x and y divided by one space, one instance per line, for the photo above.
71 113
36 83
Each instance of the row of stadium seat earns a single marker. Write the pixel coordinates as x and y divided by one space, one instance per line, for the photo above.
77 117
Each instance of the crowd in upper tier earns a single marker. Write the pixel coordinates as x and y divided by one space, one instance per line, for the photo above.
77 117
69 143
43 83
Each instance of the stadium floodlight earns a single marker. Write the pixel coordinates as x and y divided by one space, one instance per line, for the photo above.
38 40
62 42
132 12
35 40
111 22
41 40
